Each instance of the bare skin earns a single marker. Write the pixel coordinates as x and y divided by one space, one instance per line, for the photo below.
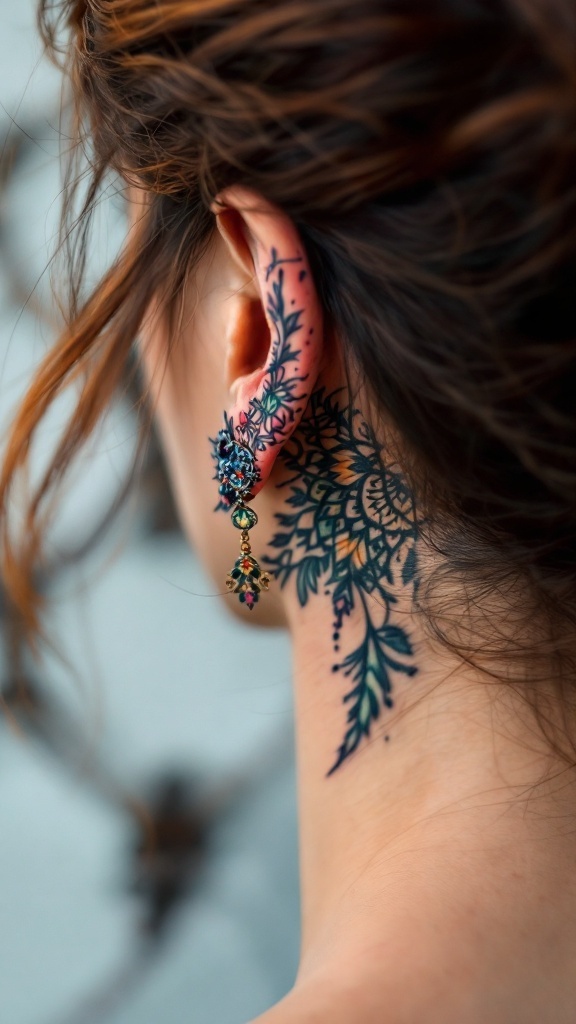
438 859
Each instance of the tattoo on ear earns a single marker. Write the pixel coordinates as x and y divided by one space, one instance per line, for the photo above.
270 415
350 532
276 260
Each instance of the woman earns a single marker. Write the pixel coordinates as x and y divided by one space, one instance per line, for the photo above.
350 272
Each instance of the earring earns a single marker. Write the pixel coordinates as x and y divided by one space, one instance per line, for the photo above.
237 473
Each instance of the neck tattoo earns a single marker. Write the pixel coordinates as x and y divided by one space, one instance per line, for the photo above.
350 533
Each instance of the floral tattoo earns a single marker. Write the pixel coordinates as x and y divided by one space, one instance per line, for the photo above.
269 416
350 531
351 526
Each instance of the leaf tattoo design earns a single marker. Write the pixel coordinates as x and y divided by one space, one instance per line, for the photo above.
276 260
270 414
351 530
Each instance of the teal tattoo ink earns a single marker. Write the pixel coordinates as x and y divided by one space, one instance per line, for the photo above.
351 533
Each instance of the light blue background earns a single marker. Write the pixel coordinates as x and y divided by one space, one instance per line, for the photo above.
159 678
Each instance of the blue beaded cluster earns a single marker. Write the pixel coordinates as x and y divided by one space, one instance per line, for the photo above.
236 468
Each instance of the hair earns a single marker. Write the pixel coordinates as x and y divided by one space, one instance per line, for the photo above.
426 151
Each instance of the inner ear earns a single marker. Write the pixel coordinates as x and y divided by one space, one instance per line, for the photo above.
232 227
250 343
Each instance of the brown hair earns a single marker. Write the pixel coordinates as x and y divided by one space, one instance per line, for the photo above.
427 153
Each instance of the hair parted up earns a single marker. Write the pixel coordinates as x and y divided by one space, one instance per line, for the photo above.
427 154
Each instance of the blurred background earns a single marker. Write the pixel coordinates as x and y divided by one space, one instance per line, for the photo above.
148 865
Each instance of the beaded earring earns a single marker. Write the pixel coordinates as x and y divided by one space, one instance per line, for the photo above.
237 473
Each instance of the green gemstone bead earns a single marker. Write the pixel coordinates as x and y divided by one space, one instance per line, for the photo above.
244 518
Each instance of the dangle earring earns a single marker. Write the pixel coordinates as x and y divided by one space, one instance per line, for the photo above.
237 473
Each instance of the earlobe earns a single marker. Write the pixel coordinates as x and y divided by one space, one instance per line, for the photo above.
278 351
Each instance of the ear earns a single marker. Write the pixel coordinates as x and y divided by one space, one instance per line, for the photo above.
275 347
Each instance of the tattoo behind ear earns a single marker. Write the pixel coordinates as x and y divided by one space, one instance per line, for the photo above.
270 415
352 531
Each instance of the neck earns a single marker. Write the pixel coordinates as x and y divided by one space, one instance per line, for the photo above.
454 756
418 776
443 847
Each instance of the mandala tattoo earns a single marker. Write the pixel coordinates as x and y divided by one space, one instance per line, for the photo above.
269 416
351 528
351 532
